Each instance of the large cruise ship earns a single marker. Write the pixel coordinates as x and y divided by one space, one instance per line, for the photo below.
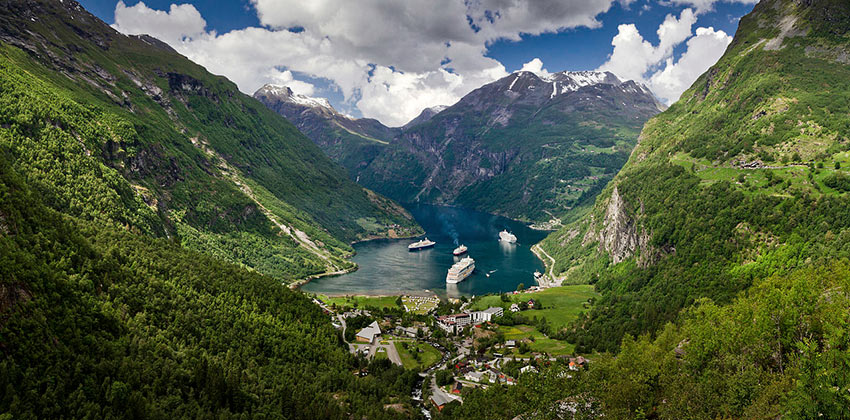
416 246
507 236
461 270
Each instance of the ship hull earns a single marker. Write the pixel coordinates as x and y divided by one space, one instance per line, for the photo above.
419 248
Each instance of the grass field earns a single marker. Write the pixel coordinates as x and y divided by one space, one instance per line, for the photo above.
561 304
362 302
381 354
428 357
541 343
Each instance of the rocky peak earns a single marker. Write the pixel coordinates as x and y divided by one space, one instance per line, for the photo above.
285 94
425 115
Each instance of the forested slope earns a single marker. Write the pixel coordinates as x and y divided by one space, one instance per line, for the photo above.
124 129
741 179
98 322
150 215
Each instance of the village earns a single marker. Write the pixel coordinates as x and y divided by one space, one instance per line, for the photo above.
455 344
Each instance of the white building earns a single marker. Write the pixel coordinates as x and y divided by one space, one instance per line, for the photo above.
474 376
486 315
368 334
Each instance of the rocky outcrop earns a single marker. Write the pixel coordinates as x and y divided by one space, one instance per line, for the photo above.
618 237
621 239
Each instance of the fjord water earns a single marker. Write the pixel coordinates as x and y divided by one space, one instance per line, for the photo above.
387 267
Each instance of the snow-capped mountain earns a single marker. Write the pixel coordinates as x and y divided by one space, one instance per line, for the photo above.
284 93
526 145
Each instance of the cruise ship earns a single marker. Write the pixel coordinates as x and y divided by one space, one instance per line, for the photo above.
459 250
425 243
460 271
507 236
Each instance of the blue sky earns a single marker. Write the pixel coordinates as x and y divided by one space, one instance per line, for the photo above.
388 60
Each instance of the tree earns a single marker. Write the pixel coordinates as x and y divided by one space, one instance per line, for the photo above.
520 287
837 165
505 297
444 377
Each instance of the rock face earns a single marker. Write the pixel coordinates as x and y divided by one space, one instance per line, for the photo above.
618 236
525 146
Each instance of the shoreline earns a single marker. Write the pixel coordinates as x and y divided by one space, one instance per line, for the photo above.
551 281
296 285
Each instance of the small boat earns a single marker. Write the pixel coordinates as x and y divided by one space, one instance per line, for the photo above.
507 237
459 250
423 244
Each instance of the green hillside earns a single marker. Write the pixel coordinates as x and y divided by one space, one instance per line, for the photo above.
99 322
741 179
123 129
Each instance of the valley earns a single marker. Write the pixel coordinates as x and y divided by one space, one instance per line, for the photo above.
172 246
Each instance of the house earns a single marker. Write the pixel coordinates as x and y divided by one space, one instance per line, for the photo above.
474 376
528 368
456 388
440 400
531 304
510 344
368 334
409 332
577 362
514 307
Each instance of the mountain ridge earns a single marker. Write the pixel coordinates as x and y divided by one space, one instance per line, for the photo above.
423 160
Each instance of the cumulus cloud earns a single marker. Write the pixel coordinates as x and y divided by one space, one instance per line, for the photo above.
179 22
390 59
633 56
535 66
637 59
704 50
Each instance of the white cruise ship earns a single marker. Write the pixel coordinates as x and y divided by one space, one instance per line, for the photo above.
507 236
425 243
460 271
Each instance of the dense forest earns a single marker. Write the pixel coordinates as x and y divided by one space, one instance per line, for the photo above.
98 322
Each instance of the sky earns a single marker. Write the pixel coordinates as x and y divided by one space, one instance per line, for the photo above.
389 59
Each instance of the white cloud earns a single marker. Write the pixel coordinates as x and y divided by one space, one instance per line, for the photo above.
637 59
704 50
183 21
703 6
535 66
633 56
389 58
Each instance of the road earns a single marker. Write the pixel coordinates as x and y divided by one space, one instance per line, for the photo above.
549 280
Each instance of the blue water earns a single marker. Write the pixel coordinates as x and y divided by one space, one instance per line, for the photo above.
387 267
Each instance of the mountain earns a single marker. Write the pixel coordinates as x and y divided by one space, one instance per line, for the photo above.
425 115
527 147
744 178
150 215
346 140
124 129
